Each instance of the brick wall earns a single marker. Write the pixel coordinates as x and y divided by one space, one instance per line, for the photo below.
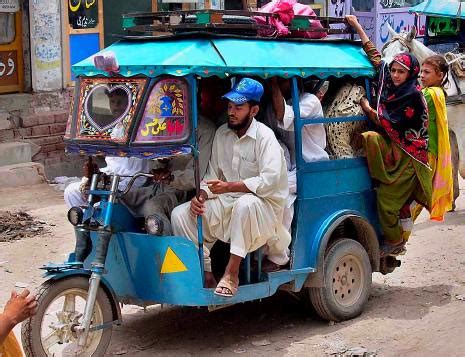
40 119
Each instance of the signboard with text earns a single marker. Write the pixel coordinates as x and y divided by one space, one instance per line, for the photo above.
8 68
9 5
83 14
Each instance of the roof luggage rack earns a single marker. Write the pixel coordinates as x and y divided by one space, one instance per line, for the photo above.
231 22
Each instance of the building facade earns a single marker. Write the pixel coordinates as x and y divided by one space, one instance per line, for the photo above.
41 39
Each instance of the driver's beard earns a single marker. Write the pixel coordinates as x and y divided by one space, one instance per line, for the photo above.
240 125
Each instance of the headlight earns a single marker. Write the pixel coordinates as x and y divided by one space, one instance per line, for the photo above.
75 215
154 225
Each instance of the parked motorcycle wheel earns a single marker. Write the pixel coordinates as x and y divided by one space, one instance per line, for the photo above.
61 305
347 274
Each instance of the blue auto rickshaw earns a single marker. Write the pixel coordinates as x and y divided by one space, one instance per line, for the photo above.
335 247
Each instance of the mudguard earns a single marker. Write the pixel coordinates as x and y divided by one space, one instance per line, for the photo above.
368 240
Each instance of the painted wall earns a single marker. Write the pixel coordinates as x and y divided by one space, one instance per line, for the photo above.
400 20
46 56
381 13
338 8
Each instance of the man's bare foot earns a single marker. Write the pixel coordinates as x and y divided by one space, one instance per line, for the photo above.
210 281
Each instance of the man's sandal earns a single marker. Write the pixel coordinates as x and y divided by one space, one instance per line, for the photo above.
226 283
270 267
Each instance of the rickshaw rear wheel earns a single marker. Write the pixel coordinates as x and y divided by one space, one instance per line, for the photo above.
347 277
73 291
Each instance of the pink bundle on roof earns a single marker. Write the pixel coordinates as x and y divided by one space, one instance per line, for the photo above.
284 12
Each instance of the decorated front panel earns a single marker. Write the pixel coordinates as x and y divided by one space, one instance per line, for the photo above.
166 114
107 108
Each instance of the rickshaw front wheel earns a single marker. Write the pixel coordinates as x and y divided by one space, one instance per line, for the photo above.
51 332
347 276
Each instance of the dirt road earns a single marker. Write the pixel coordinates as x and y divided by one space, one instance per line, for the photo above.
416 311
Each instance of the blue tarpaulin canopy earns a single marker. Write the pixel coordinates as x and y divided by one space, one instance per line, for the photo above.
220 56
442 8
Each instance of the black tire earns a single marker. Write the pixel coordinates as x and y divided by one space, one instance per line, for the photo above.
31 329
347 275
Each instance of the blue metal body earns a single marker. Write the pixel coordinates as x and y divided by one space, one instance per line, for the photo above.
327 191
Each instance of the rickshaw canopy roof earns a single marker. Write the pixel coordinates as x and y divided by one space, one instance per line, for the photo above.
212 56
443 8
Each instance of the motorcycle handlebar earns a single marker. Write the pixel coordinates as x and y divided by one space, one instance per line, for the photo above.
133 179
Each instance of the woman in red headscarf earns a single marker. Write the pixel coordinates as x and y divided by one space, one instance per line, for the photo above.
397 152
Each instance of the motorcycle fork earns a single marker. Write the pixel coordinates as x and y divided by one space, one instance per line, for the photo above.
98 265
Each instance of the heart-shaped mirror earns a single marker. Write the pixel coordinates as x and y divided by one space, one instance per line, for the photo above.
106 106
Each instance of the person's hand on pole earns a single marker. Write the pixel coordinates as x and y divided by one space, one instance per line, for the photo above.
352 21
198 203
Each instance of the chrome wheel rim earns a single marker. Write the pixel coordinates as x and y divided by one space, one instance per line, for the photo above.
57 333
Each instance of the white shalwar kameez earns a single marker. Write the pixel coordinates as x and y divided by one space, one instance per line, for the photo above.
313 143
245 220
125 166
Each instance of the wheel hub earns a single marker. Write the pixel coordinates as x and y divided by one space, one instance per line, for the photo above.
64 329
344 280
347 280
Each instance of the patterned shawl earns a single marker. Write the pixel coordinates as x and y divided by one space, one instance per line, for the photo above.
443 184
402 110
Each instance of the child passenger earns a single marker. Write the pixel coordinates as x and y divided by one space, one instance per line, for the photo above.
433 77
398 153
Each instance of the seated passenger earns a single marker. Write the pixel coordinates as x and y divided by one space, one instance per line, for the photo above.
345 138
211 103
244 192
173 179
313 136
74 194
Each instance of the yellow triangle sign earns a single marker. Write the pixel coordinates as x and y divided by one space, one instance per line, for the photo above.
171 263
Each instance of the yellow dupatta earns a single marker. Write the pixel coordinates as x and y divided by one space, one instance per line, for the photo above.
10 347
442 181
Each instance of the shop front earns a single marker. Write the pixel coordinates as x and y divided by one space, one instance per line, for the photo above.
11 47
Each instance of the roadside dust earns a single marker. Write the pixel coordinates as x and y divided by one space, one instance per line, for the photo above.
19 225
418 310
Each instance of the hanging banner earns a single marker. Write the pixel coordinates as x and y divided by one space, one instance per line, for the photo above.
83 14
9 5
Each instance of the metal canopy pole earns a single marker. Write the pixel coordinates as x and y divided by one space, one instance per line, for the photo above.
297 129
195 151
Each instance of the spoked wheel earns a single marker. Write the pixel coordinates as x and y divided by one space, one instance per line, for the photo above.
51 332
347 272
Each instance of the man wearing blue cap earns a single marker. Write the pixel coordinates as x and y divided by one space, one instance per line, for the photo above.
244 191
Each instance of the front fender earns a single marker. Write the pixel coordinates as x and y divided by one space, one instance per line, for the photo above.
66 274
